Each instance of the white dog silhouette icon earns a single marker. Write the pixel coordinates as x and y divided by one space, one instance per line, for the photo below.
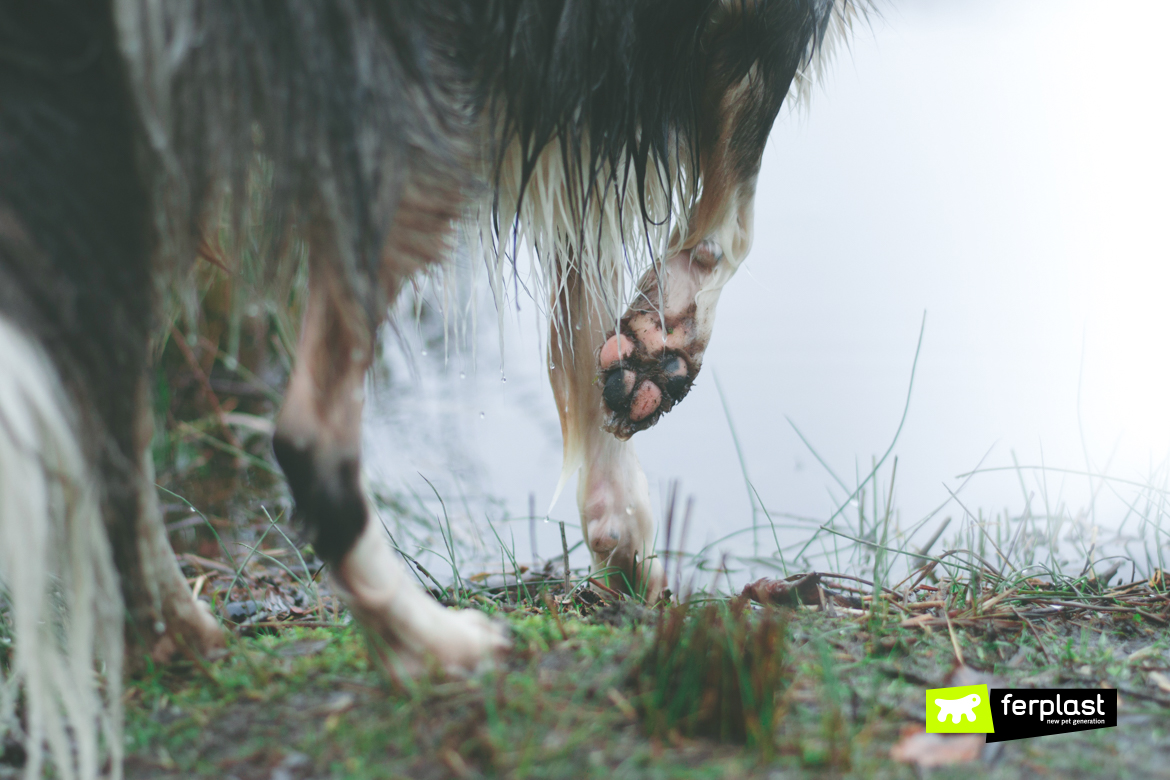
957 708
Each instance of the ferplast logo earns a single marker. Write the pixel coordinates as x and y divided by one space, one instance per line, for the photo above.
1021 713
965 709
1018 713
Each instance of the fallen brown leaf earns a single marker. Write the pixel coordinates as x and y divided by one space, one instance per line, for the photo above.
791 592
965 675
934 750
1160 680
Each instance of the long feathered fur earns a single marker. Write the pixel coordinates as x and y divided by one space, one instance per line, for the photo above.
594 117
57 575
350 103
588 119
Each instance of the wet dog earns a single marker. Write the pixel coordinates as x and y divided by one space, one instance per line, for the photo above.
618 140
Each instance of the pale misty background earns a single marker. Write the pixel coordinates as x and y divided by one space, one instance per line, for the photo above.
999 165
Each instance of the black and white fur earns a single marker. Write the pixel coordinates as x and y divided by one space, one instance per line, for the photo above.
618 139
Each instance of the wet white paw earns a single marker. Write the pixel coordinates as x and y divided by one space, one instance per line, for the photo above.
474 642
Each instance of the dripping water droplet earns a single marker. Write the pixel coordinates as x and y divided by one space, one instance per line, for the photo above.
630 509
481 415
462 375
423 353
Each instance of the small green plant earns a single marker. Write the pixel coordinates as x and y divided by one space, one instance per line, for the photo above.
716 671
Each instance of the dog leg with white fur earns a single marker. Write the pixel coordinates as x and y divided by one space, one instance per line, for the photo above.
57 574
645 368
318 444
612 493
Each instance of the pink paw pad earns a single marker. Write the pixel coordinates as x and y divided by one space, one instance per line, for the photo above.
616 349
646 401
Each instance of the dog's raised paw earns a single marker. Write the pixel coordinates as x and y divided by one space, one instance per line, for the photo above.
641 383
651 362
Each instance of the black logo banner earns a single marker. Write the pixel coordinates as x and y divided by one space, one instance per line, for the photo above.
1019 713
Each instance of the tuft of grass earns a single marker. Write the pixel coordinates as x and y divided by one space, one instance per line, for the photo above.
715 670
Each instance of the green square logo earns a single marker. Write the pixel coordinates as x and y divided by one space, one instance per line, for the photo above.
962 710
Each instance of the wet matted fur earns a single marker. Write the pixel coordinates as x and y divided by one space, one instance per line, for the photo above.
618 140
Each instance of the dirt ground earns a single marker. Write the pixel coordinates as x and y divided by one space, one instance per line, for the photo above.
309 703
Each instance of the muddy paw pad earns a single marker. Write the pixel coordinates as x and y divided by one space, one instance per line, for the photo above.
619 386
638 388
646 401
678 377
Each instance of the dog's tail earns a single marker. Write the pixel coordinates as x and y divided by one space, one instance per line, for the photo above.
61 642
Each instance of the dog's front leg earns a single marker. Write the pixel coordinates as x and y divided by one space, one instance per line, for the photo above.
612 493
318 444
650 363
610 385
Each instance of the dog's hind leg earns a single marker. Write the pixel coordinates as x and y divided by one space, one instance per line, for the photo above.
166 614
612 493
318 444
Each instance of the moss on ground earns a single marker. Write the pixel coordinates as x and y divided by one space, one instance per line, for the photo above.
309 703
